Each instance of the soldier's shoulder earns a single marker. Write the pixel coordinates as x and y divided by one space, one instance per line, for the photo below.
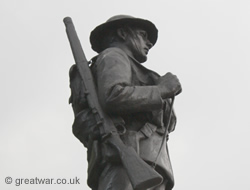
112 53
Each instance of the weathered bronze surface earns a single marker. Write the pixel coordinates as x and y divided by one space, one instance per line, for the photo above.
123 120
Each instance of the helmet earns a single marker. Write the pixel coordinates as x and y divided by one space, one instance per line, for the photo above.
98 34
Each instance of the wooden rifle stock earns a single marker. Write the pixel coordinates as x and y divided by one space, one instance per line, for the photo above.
141 175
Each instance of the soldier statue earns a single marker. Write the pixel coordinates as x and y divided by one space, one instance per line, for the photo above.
137 100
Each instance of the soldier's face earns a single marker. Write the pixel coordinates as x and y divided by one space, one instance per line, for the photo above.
139 45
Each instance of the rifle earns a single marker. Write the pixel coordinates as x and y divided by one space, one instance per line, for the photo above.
141 175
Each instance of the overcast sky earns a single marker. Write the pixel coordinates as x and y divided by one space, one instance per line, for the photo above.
206 43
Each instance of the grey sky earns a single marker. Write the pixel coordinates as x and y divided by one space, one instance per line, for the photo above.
206 43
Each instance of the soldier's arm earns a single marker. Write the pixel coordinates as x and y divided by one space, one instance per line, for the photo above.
115 89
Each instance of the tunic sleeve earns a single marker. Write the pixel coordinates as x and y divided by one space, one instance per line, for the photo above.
116 92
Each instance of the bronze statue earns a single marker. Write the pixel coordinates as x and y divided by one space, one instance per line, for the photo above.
123 111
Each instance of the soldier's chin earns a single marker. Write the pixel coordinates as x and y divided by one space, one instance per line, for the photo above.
141 59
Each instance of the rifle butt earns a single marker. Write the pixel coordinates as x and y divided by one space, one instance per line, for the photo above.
141 175
74 41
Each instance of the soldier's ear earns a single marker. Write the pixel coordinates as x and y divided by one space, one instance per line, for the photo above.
121 33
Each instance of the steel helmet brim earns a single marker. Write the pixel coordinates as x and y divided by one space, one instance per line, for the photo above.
115 22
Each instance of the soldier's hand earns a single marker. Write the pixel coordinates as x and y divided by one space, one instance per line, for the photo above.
169 85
